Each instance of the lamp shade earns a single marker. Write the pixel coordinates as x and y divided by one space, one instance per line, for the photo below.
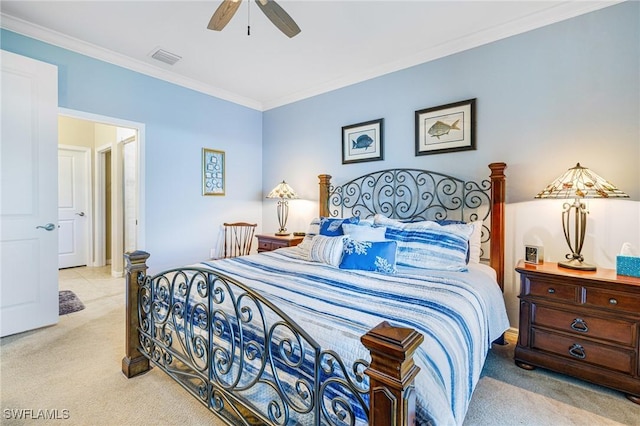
580 182
283 190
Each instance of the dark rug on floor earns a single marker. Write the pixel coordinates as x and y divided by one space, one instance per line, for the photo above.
69 302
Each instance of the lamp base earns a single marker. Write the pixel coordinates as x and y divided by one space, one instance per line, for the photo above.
576 264
283 234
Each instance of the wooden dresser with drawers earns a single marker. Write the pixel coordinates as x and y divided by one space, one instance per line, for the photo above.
268 242
584 324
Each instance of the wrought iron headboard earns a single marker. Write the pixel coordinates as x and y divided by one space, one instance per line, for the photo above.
413 194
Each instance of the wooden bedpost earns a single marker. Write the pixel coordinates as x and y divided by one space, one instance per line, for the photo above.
497 220
325 184
392 398
134 362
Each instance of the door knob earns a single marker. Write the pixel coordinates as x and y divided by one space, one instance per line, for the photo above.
47 227
80 214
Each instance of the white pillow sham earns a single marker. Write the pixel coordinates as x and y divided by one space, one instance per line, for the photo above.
364 233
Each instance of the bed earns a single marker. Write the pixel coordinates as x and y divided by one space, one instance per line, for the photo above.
288 337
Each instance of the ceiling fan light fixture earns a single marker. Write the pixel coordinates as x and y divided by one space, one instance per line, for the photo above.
270 8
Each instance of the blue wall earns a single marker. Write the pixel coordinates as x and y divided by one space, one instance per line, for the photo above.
181 224
546 99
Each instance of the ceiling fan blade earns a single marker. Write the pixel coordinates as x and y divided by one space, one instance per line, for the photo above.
279 17
223 14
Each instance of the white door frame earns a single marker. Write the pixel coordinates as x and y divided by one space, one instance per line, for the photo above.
100 257
117 264
122 144
87 209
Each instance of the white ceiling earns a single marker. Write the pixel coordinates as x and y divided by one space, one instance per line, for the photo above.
341 43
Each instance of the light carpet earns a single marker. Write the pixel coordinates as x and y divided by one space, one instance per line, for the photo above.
509 395
72 370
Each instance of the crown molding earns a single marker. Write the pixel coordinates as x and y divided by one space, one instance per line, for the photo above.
560 12
552 15
55 38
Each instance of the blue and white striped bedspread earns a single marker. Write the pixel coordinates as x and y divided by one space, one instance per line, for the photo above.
459 314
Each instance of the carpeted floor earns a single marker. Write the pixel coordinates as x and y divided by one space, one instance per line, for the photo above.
74 369
509 395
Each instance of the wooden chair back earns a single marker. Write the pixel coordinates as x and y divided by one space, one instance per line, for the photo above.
238 237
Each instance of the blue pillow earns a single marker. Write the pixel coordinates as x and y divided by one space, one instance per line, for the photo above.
376 256
332 227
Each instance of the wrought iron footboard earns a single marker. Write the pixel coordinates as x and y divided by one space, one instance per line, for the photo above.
230 347
249 363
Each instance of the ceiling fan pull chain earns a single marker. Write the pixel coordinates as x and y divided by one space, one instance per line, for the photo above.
249 18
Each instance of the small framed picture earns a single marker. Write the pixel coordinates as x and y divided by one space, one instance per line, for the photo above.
533 254
212 172
446 128
362 142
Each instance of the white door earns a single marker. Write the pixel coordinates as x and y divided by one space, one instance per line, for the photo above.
73 207
29 195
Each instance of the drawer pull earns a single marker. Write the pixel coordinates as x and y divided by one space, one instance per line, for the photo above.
578 324
551 290
577 351
613 301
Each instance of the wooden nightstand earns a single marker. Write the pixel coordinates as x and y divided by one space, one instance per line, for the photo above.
584 324
272 242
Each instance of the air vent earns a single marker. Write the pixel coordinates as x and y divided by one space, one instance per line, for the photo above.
166 57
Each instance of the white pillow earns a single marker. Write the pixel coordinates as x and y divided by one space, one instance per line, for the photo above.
312 231
327 250
364 233
366 222
475 242
314 227
305 245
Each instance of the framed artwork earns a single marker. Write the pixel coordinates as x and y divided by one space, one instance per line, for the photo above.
362 142
446 128
212 172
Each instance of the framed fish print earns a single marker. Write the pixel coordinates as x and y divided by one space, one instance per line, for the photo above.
363 142
212 172
446 128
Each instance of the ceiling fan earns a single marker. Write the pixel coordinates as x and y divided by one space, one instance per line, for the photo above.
270 8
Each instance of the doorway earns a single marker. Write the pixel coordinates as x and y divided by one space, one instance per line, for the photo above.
74 212
116 183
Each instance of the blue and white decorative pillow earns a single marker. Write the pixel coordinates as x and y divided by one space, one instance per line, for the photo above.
332 227
475 240
427 244
377 256
327 250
